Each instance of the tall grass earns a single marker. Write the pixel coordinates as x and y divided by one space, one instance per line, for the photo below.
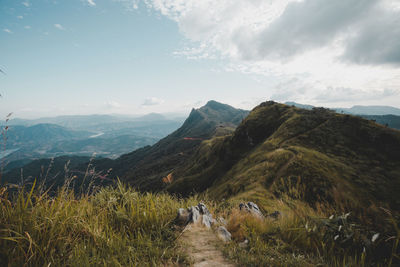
114 227
321 234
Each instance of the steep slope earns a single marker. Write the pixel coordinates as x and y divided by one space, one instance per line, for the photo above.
145 167
328 155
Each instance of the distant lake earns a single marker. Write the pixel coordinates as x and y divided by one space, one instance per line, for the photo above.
7 152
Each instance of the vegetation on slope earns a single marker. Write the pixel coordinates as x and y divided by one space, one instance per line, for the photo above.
277 144
309 164
145 167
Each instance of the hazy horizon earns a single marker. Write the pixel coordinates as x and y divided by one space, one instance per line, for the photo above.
135 57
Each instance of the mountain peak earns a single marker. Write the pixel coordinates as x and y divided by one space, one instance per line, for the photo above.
216 105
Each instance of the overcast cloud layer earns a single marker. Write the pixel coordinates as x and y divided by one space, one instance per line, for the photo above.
316 47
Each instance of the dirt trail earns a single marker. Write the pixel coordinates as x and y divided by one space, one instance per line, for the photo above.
201 245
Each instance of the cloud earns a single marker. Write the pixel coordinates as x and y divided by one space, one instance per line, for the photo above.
341 94
306 48
26 3
91 2
7 30
302 26
377 39
152 101
278 30
27 27
113 105
59 26
20 17
130 4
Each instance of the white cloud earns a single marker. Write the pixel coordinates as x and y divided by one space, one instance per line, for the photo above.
59 26
91 2
26 3
20 17
27 27
7 30
113 104
152 101
323 44
129 4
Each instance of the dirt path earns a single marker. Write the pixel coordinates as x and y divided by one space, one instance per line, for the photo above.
201 245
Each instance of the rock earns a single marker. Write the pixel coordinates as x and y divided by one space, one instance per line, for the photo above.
203 209
207 221
183 217
224 234
251 208
195 214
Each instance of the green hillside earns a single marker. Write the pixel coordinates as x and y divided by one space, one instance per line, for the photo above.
310 165
277 144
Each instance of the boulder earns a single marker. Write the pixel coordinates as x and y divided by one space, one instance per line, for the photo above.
195 214
251 208
207 221
224 234
203 208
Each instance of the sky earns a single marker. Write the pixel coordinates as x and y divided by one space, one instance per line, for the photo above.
139 56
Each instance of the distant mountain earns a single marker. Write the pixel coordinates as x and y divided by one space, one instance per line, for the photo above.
144 167
40 134
357 110
107 135
90 122
370 110
392 121
317 150
110 147
299 105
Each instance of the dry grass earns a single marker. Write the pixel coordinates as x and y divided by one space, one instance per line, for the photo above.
309 236
114 227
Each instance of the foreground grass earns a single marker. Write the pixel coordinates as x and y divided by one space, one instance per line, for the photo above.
114 227
312 236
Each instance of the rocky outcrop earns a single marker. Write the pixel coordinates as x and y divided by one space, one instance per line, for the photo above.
196 214
254 210
224 234
251 208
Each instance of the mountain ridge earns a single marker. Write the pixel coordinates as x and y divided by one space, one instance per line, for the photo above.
327 150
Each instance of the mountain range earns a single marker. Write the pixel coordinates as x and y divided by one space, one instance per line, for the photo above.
356 110
233 153
277 145
106 135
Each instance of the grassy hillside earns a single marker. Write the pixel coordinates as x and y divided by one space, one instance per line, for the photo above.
323 149
334 178
309 164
